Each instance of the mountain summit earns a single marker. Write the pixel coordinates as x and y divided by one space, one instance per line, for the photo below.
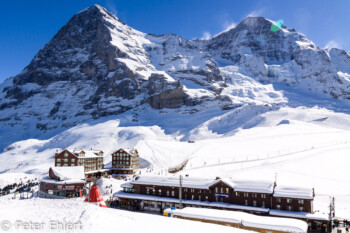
96 66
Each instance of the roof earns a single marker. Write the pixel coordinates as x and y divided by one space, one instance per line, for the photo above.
128 150
303 215
72 181
127 185
137 196
173 181
293 192
68 173
88 153
253 186
245 219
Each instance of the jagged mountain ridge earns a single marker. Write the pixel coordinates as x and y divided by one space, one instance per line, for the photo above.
96 66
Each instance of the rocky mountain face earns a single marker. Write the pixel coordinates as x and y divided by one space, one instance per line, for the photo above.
97 66
284 56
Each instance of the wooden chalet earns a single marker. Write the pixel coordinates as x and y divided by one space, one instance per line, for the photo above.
156 193
63 182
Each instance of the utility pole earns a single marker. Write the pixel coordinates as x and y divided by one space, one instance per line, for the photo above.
180 192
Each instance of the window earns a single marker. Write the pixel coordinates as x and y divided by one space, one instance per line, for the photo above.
199 198
246 194
301 202
65 160
185 189
227 189
278 207
173 193
160 192
73 160
58 160
65 154
58 165
216 189
167 193
192 197
65 165
237 194
147 191
206 198
263 195
255 195
289 208
192 190
254 203
222 190
301 209
289 200
245 202
278 199
263 204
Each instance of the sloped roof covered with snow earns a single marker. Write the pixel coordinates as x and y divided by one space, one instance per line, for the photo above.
293 192
173 181
128 150
71 181
253 186
87 153
69 173
245 219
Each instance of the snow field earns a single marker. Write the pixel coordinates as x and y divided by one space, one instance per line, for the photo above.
96 219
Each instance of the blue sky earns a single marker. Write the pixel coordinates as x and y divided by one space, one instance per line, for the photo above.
26 26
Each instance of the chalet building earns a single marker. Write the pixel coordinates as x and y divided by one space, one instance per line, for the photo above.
156 193
125 161
63 182
91 160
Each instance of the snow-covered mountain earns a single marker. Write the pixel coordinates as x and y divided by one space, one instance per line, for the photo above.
97 66
100 83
